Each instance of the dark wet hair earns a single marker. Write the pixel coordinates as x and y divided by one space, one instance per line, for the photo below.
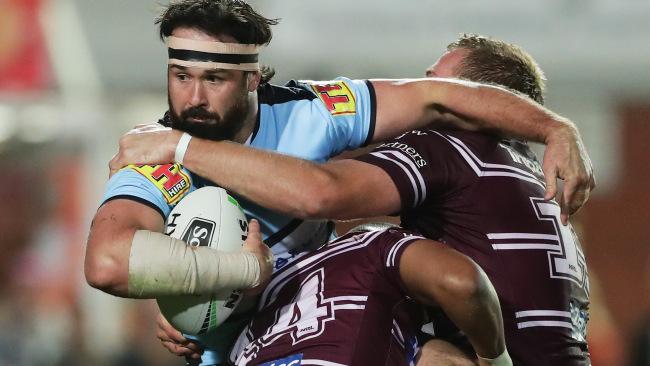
234 18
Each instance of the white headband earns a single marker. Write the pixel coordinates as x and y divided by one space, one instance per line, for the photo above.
212 54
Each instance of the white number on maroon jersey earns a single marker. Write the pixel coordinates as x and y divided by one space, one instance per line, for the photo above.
567 261
306 316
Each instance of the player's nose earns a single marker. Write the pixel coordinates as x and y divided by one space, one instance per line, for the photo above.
198 97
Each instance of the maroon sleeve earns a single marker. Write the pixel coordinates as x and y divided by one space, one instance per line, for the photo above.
390 246
419 163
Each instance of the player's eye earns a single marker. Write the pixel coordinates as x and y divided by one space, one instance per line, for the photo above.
213 78
182 77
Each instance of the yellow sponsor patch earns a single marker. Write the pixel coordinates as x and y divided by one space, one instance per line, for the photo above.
337 97
168 178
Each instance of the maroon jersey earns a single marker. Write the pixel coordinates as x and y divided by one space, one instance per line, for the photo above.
484 197
343 304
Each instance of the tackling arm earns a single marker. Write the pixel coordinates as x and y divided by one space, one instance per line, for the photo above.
409 104
439 276
404 105
343 189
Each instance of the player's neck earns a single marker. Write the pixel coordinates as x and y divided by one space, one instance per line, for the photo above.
249 121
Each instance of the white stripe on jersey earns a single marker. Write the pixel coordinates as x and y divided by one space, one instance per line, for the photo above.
541 314
524 237
513 175
544 323
301 265
527 313
479 167
320 363
489 165
348 307
349 298
414 176
400 342
348 302
510 246
390 260
396 329
521 236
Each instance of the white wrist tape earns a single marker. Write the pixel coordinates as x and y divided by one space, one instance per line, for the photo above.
181 147
502 360
161 265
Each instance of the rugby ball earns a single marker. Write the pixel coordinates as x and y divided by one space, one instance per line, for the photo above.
208 217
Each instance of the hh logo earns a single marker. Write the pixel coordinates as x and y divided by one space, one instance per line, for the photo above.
293 360
337 97
168 178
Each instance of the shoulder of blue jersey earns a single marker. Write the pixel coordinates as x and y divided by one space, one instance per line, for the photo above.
337 96
169 179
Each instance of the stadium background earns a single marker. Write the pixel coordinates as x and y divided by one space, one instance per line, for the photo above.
76 74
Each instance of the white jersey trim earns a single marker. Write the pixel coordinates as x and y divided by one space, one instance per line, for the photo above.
399 341
544 323
277 283
415 177
398 333
512 246
531 318
521 236
390 260
489 165
348 307
320 363
481 168
527 313
524 237
350 298
348 302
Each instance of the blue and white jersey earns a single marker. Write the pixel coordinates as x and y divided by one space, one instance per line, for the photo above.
312 120
307 119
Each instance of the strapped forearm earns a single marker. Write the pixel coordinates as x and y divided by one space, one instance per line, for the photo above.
160 265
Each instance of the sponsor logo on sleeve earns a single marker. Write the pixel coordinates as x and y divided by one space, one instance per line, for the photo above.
337 97
168 178
408 150
293 360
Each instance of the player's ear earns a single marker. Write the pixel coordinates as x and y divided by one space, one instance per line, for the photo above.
253 80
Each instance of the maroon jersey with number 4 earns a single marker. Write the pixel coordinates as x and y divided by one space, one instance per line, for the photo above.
343 304
484 197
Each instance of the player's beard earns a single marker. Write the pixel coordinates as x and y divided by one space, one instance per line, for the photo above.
213 126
